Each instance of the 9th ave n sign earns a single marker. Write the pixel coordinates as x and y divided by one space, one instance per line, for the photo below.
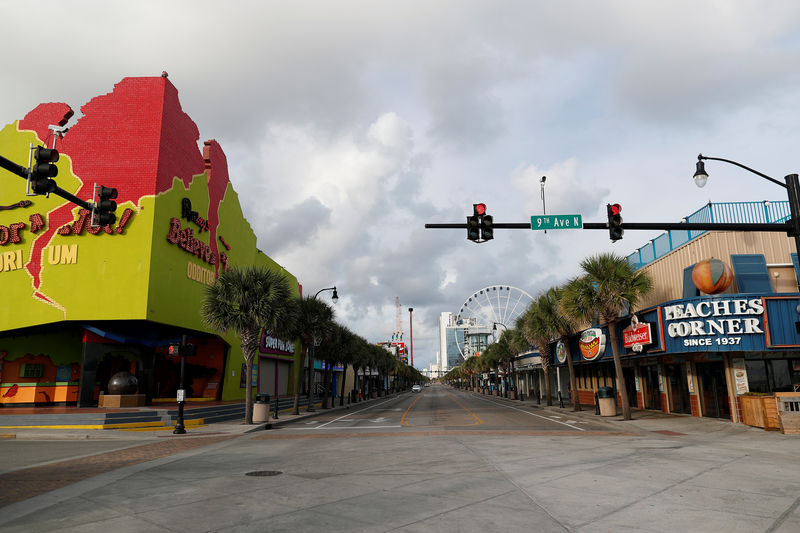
556 222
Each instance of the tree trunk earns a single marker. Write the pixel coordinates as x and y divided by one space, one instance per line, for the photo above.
249 345
355 384
248 390
310 393
303 355
623 390
573 382
344 379
548 396
325 388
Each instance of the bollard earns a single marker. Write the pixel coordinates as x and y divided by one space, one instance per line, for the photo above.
538 398
560 400
596 404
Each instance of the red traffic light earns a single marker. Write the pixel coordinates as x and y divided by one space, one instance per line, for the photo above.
479 209
614 209
174 349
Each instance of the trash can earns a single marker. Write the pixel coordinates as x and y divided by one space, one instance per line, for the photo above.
261 409
607 401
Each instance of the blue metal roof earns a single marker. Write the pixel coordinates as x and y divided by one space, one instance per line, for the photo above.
725 212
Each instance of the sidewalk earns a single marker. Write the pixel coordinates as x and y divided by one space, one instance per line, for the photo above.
214 429
647 422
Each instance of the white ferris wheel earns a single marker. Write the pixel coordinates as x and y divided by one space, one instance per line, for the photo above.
486 310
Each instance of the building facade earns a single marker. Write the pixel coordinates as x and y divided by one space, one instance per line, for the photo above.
84 303
451 336
694 352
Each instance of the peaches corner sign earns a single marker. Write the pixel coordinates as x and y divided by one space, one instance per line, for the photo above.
592 343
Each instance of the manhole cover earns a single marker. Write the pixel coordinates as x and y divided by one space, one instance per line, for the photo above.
264 473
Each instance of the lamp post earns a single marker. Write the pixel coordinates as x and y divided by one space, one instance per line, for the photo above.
494 335
310 406
411 332
792 186
544 210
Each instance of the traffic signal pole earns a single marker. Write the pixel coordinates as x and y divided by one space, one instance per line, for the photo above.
781 227
23 173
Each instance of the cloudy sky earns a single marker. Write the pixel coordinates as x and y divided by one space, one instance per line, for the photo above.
349 125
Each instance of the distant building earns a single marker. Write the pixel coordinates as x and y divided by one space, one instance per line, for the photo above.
468 334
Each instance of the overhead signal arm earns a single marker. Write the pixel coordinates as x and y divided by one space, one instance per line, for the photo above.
40 175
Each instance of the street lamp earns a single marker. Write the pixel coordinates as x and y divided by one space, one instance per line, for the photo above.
544 210
792 187
310 406
411 332
335 296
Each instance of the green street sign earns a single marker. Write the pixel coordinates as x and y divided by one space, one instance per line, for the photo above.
556 222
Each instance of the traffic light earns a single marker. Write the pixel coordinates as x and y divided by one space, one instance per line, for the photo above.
44 169
104 210
487 228
473 228
615 230
186 350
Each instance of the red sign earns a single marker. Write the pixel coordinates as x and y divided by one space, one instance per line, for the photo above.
638 333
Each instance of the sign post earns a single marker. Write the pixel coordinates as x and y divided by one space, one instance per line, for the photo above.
546 222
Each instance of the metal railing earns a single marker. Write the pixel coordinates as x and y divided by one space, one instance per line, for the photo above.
765 212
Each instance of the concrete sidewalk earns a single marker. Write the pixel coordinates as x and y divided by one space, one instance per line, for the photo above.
214 429
647 422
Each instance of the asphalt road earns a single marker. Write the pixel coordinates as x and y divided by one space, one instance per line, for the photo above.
441 460
441 408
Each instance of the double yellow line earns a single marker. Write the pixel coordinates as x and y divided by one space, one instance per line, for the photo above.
404 422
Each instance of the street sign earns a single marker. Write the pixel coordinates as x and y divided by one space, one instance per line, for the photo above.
556 222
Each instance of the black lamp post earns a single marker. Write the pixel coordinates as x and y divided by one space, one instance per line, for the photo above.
180 428
335 296
792 187
310 406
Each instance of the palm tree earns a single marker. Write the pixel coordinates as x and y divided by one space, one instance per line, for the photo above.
567 321
538 326
505 356
518 344
611 285
248 300
314 321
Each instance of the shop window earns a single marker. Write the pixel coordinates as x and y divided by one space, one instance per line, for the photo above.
31 370
689 288
751 273
773 375
757 376
781 375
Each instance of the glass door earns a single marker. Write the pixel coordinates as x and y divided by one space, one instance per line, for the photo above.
678 389
714 390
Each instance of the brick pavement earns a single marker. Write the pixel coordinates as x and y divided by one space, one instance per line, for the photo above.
29 482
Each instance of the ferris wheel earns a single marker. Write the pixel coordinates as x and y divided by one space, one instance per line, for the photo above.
484 311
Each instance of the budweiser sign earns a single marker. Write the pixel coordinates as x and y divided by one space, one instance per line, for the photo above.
636 333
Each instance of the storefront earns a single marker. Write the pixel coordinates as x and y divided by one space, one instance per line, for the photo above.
698 355
84 303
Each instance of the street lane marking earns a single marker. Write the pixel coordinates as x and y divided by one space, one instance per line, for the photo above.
408 409
478 421
353 427
533 414
353 413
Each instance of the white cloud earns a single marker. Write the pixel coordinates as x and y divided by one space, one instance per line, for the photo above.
348 125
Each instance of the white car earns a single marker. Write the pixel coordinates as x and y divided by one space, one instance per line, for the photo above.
416 388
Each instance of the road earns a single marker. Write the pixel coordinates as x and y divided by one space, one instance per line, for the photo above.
441 460
439 408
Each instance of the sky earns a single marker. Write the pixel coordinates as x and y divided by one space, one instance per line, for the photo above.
349 125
